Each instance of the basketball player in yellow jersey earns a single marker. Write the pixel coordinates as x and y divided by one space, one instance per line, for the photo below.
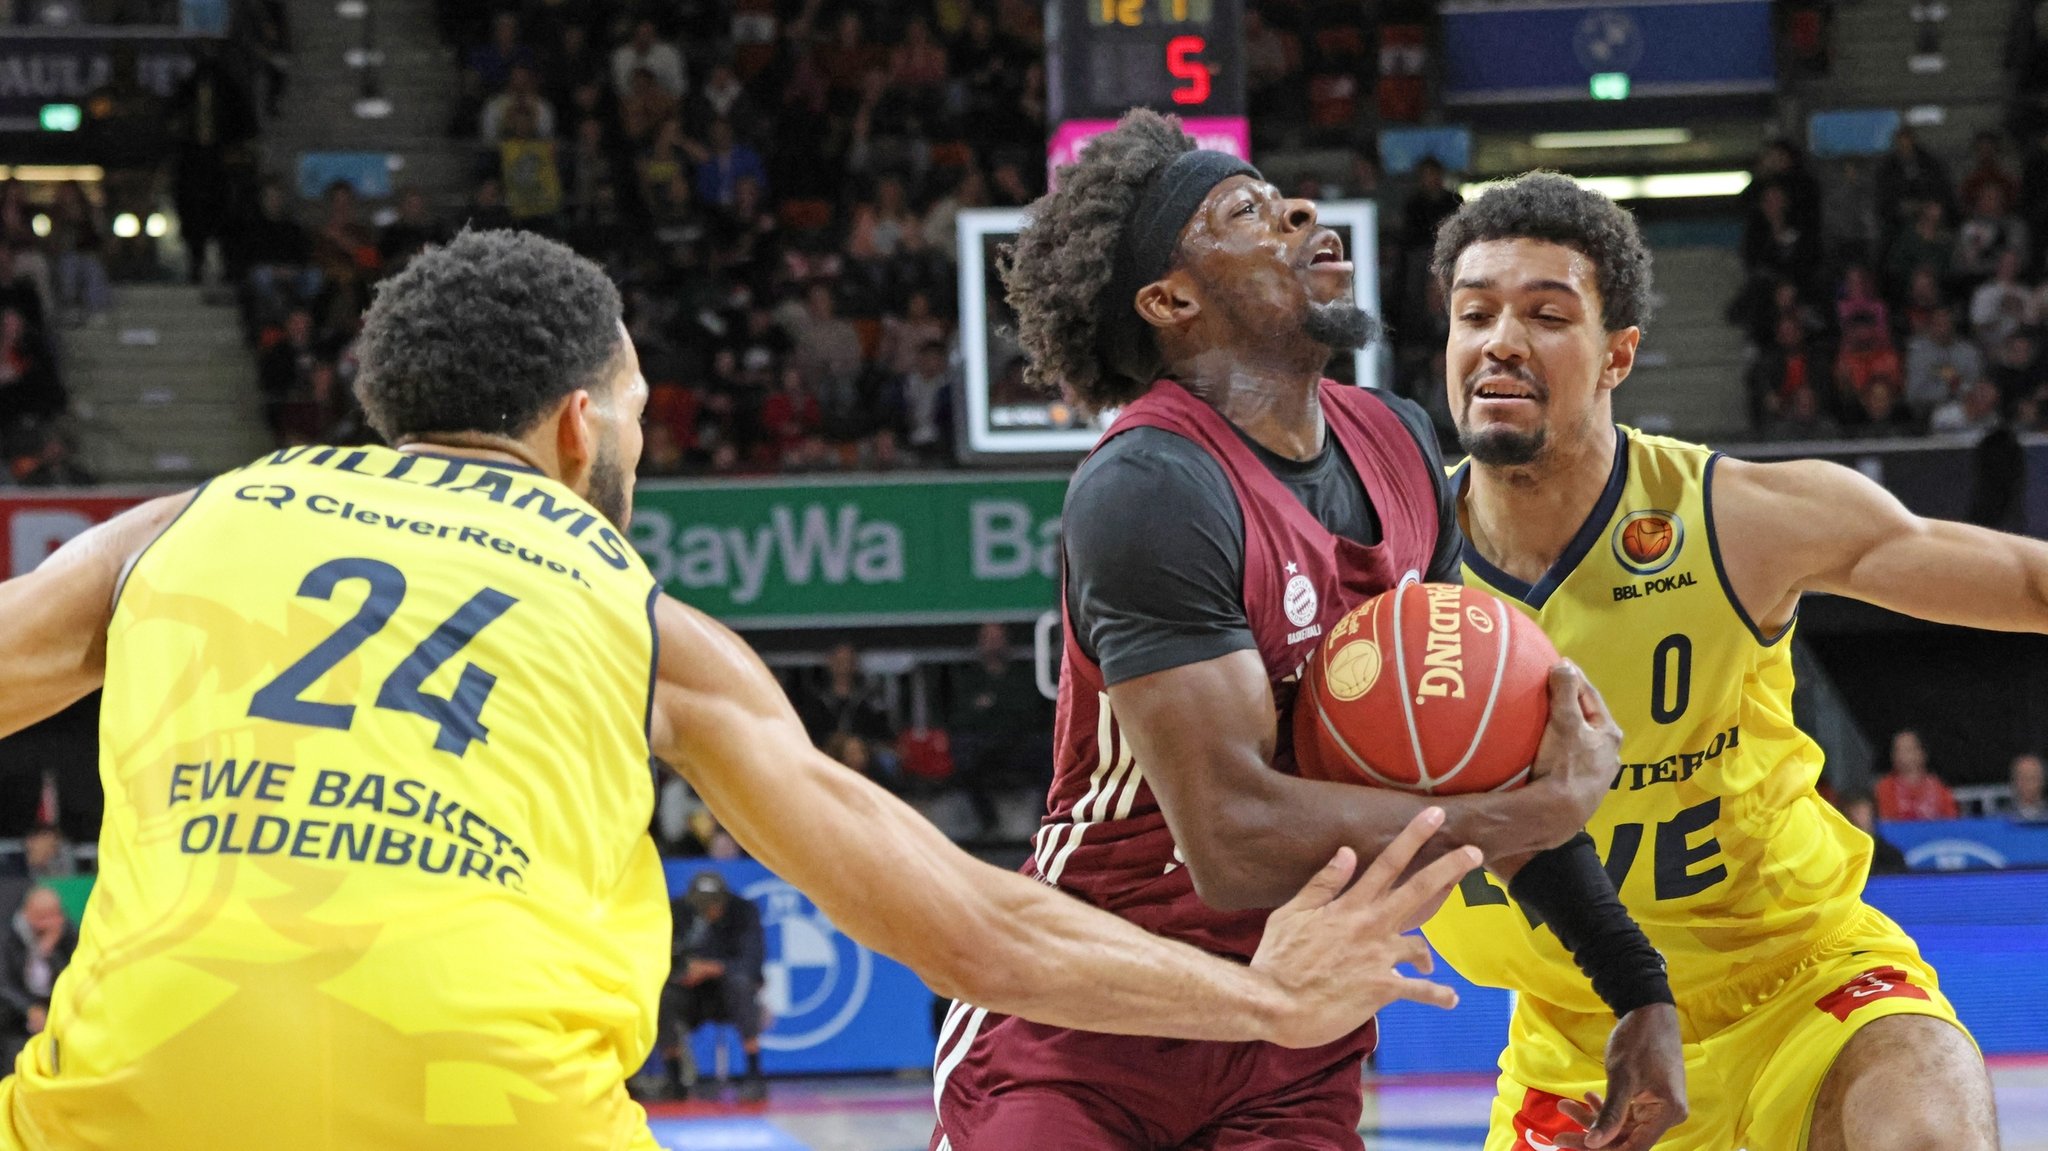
375 741
1673 576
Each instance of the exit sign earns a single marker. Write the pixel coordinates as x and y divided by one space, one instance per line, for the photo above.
1609 85
59 118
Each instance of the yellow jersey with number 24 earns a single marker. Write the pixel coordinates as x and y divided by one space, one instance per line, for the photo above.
374 870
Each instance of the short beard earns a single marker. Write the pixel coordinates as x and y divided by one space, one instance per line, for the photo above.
1504 447
608 485
1340 325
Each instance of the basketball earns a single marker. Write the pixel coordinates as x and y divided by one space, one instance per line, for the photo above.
1433 688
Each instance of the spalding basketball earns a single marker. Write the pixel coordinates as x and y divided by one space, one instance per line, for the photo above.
1434 688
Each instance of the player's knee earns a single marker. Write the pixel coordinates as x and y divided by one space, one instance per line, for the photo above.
1907 1083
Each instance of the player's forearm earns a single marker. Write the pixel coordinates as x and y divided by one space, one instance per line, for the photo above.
45 665
1055 960
1282 835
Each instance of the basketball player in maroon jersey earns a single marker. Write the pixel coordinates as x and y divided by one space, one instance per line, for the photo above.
1239 506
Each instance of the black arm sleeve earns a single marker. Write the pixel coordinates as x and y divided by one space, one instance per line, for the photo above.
1445 562
1155 557
1569 890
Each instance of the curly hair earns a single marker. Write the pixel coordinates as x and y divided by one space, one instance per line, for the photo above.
484 334
1551 206
1061 264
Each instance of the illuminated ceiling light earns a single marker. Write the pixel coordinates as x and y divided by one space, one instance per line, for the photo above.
127 226
40 225
1617 138
54 173
1661 186
1691 185
157 225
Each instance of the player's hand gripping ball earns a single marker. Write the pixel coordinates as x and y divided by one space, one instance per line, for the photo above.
1435 688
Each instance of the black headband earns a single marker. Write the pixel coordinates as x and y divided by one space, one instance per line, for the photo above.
1145 251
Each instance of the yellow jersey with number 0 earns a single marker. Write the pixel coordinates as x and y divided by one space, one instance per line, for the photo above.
374 870
1714 834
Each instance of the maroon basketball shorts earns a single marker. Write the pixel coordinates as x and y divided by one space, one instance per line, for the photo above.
1005 1084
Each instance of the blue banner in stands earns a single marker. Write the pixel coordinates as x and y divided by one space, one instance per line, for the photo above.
833 1005
1525 51
1970 844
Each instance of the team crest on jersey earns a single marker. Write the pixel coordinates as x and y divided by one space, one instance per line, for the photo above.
1647 542
1300 598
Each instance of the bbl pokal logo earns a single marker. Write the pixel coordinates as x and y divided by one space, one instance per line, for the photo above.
1647 542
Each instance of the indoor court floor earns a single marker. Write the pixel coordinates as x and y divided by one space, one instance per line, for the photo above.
1404 1113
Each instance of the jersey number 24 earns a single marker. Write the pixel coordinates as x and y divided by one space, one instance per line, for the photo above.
459 716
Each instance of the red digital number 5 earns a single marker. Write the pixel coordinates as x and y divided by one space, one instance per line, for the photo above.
1182 61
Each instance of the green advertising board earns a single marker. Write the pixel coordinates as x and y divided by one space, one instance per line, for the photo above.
877 550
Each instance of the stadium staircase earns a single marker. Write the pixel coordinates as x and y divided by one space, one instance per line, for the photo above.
371 76
1689 372
165 390
1881 61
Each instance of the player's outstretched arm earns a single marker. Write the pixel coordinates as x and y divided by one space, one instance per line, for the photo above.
1204 733
53 621
888 878
1810 525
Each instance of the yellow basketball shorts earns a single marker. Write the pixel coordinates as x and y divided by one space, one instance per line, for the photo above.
1755 1055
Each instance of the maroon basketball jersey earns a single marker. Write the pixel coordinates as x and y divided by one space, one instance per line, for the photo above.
1104 838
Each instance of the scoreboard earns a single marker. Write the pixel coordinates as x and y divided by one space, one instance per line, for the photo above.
1105 57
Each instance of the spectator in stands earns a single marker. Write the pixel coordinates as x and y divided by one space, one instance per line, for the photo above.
722 97
275 254
1909 791
33 953
521 102
1928 244
1428 205
2033 194
18 290
847 703
1987 170
998 723
490 64
1774 246
2016 370
285 373
78 236
1909 177
926 397
1866 360
1885 856
723 164
487 205
918 68
2002 305
1974 407
1941 366
29 387
826 348
210 117
1781 167
1991 229
410 232
46 854
345 251
568 63
715 975
645 108
2027 800
647 50
1786 384
1924 297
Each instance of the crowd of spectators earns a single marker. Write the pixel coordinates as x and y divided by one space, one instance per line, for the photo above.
1898 300
976 757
